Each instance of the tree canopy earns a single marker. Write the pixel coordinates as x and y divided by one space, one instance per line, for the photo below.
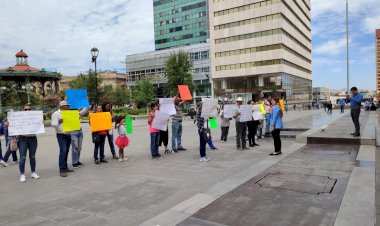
143 93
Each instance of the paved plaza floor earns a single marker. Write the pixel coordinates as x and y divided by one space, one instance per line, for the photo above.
164 192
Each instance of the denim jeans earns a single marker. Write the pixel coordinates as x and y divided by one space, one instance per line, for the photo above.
9 152
25 143
76 143
1 152
99 148
267 123
176 134
202 145
64 141
110 142
154 142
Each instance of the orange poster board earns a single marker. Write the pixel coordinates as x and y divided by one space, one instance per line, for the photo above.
184 91
100 121
282 105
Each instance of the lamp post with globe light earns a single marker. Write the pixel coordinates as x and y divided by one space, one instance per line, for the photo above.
94 54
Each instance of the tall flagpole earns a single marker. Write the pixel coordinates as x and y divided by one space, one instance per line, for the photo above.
348 53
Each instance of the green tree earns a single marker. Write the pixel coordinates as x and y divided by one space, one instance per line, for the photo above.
178 69
120 97
143 93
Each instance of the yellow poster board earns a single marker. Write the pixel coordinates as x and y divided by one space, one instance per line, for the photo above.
71 121
262 109
100 121
282 105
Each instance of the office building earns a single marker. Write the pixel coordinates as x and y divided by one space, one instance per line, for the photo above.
261 46
151 65
179 22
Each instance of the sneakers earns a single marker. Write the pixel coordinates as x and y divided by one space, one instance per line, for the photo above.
23 178
97 162
204 159
103 161
181 149
222 141
75 165
80 164
63 174
2 162
115 157
175 151
121 159
276 153
154 158
34 175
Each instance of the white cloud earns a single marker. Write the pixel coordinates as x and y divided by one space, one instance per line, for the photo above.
331 47
59 34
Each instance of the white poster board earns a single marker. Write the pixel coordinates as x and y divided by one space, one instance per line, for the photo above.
245 113
228 110
209 108
160 120
25 123
257 114
167 106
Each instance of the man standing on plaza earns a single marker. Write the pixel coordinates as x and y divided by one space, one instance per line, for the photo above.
64 139
268 108
177 125
241 127
355 105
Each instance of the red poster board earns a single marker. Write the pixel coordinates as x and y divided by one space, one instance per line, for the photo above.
184 91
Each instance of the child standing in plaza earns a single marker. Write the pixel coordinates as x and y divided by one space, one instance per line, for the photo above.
122 140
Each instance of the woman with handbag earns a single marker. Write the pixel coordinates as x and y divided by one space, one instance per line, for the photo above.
204 135
99 138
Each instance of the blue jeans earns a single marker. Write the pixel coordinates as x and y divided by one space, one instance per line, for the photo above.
210 144
154 142
176 135
64 141
99 148
76 144
1 152
25 143
202 145
110 142
267 123
9 152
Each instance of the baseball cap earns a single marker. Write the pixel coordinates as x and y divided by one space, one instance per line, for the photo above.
63 103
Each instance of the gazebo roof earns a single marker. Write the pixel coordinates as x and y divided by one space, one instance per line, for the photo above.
21 53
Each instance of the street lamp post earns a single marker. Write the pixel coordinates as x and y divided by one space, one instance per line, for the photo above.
348 53
27 88
2 89
94 53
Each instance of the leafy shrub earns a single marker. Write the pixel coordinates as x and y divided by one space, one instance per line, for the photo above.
126 111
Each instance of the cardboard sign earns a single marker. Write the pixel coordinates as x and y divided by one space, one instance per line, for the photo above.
167 106
128 124
257 114
245 113
25 123
160 120
228 110
77 98
262 109
100 121
71 121
213 123
184 91
209 106
282 105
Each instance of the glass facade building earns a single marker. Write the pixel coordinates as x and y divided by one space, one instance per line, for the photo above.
179 22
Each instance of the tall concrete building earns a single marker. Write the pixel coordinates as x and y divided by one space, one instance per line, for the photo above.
179 22
261 46
378 61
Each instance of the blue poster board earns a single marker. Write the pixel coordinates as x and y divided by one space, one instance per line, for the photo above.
77 98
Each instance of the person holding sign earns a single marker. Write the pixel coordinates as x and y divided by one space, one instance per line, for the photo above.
241 127
252 128
154 133
276 125
26 142
203 136
225 126
106 107
76 142
99 138
177 125
64 138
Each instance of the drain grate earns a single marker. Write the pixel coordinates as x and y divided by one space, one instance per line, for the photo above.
310 184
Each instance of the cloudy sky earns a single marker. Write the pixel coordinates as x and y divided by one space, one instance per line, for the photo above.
58 35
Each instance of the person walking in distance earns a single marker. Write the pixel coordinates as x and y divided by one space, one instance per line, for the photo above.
276 125
342 105
241 127
355 105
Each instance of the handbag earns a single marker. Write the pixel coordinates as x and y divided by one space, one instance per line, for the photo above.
207 133
13 144
95 138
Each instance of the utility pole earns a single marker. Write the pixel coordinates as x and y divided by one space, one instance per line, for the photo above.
348 53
